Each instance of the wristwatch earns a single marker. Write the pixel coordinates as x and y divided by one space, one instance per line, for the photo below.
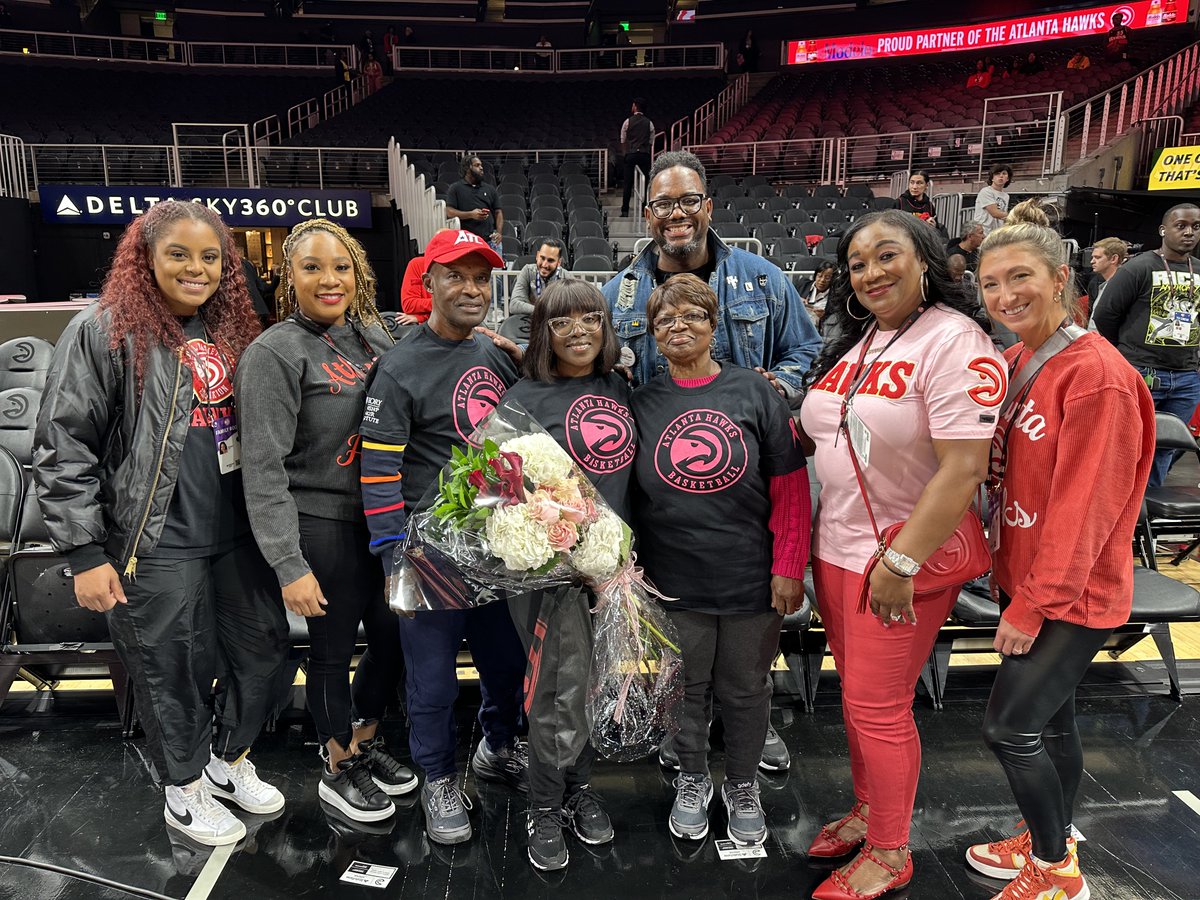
901 564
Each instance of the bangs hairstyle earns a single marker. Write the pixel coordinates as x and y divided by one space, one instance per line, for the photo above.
1028 227
847 320
362 307
136 308
570 296
681 290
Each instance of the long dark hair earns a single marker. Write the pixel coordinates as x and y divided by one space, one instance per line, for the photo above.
562 298
846 320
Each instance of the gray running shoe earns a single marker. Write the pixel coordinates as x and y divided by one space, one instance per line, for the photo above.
446 819
747 822
689 812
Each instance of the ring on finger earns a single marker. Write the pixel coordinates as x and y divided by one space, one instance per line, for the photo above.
897 617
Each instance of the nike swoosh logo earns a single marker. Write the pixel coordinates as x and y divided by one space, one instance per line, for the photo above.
227 786
185 819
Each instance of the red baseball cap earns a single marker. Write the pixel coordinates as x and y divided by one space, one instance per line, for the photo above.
449 245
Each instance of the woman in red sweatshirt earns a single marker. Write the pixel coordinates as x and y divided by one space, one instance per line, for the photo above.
1069 465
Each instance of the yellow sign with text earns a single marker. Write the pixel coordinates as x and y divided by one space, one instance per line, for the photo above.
1178 168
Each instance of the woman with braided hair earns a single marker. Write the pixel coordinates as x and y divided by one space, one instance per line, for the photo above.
131 479
302 386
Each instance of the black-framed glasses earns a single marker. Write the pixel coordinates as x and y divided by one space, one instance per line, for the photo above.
689 203
693 317
564 326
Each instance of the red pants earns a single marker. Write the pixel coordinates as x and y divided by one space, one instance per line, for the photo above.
879 668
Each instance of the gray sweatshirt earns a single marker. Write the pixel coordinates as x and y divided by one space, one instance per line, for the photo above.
300 403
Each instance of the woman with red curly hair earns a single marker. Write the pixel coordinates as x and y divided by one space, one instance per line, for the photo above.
131 480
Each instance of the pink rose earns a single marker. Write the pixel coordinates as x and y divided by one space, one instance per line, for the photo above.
562 535
544 508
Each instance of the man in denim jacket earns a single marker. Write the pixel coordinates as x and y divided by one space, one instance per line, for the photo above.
761 319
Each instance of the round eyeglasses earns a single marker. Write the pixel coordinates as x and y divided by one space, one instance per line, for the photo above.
565 326
689 203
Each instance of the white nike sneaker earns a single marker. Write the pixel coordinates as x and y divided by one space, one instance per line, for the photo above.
241 785
192 810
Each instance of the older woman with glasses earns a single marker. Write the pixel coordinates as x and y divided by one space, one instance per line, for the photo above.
722 517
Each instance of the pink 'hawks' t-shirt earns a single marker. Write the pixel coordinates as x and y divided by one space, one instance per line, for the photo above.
942 379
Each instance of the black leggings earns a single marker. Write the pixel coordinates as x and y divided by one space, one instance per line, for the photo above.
1030 726
351 580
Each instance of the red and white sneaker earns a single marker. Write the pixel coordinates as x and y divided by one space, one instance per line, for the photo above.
1006 858
1039 881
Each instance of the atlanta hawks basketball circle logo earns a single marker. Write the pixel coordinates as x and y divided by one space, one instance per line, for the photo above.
476 394
600 433
211 379
701 452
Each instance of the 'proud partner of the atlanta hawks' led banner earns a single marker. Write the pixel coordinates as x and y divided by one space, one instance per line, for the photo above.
1094 20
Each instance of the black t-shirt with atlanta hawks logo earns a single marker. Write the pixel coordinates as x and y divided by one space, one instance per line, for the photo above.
428 394
207 514
702 504
590 419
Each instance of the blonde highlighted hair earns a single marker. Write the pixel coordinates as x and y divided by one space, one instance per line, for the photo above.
1028 226
362 307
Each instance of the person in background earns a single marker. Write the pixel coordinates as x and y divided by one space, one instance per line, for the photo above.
344 74
916 199
956 266
476 203
415 300
1108 255
256 287
300 388
815 293
1079 61
424 397
374 72
919 428
1116 42
569 386
981 77
968 245
129 478
991 204
637 143
748 48
760 324
1032 65
1061 565
536 276
391 41
545 51
1151 312
718 465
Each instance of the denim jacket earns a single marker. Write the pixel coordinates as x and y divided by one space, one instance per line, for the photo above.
761 319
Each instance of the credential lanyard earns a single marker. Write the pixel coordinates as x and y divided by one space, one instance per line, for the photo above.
860 372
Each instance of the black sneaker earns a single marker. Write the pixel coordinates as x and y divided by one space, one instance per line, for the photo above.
747 822
353 792
446 819
775 756
589 821
667 757
509 766
547 849
393 777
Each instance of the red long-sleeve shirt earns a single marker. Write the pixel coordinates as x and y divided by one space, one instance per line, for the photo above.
1079 454
414 299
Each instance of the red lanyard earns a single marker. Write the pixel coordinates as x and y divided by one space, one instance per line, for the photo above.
860 372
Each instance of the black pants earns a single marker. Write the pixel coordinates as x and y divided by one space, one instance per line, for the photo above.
187 622
637 159
1030 726
548 784
728 657
351 580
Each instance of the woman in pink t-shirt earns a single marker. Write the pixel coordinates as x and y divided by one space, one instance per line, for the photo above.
926 386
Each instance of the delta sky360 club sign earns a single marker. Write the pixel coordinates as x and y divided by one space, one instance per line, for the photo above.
263 207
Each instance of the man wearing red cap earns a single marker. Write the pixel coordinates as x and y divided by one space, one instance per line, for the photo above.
425 396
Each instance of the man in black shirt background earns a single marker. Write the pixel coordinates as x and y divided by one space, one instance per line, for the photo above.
967 246
476 203
637 141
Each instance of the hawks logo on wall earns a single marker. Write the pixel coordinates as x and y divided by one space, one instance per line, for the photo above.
600 434
701 452
476 394
211 378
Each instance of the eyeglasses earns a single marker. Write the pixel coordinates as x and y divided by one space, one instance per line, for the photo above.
565 326
689 203
695 317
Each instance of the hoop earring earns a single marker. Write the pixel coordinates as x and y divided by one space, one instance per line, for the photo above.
924 281
852 315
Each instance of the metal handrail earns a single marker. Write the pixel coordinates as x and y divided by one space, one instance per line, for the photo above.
282 56
22 42
710 115
13 180
526 60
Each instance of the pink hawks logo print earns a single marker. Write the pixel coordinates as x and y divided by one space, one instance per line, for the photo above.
477 393
211 379
600 434
701 452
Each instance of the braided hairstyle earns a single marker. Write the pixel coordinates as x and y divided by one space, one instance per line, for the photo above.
135 306
362 307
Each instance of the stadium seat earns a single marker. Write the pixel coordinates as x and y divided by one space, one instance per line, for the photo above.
24 362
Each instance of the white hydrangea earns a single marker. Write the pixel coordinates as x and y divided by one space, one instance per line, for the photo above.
517 539
599 553
544 460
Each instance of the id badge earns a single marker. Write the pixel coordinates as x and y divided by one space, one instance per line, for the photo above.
1181 326
229 445
860 437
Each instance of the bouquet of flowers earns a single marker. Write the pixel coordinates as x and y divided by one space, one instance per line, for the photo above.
513 512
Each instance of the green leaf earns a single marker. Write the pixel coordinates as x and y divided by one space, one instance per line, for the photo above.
490 448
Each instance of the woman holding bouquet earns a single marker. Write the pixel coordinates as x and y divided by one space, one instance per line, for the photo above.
301 387
722 517
571 390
